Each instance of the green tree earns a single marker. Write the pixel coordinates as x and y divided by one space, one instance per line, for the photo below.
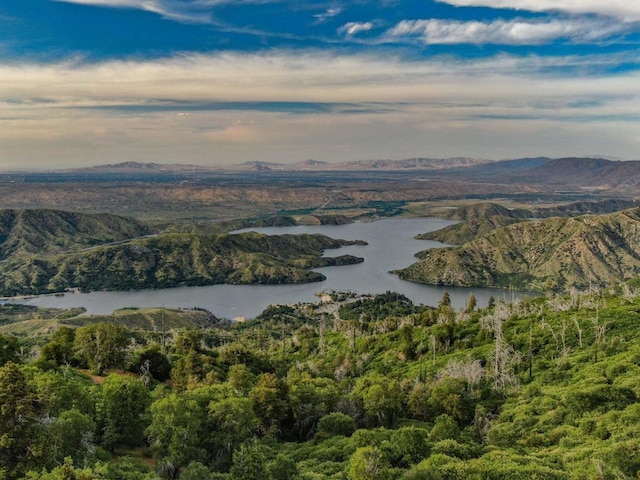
195 471
123 409
60 349
409 445
152 359
368 463
444 428
102 345
250 462
471 303
232 422
57 392
9 349
445 301
310 399
18 420
282 467
381 398
337 423
65 472
175 431
69 435
270 401
241 379
193 363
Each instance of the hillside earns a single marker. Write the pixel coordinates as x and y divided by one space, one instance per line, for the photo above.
552 253
20 319
540 389
175 259
481 218
54 231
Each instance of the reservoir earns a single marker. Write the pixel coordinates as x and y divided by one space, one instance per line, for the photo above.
390 246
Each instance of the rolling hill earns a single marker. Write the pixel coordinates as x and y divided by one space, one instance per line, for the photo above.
172 260
55 231
554 253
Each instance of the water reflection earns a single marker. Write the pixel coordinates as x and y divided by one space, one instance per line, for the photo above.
390 246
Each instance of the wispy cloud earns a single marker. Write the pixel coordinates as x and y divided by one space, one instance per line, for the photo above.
627 10
353 28
327 14
505 32
191 11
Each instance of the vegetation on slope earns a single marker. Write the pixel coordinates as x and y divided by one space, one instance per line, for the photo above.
54 231
175 259
544 388
555 253
481 218
29 320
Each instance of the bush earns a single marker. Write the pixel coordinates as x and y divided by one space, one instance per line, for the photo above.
337 424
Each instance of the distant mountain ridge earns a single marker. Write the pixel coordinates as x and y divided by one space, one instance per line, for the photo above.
584 172
418 163
141 167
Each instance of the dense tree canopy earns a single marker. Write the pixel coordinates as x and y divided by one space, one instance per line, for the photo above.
510 391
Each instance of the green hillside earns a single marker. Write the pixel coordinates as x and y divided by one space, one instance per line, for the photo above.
365 389
481 218
37 321
556 253
54 231
171 260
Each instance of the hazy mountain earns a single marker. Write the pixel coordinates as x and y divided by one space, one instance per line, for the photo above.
584 172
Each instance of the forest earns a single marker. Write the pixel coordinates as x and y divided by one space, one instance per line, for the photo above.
351 388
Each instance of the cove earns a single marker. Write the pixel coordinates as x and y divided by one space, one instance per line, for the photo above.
390 246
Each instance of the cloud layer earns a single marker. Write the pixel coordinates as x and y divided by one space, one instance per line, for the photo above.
287 106
627 10
502 32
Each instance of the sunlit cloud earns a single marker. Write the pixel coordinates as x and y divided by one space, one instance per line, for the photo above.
627 10
353 28
287 106
503 32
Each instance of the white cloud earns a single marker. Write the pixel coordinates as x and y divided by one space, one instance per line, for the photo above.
378 106
195 11
353 28
511 32
313 76
329 13
627 10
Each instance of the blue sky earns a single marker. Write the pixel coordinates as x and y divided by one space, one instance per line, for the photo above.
216 82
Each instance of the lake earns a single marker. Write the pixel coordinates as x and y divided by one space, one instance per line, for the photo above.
390 246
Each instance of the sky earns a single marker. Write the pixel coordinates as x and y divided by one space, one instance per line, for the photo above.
219 82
